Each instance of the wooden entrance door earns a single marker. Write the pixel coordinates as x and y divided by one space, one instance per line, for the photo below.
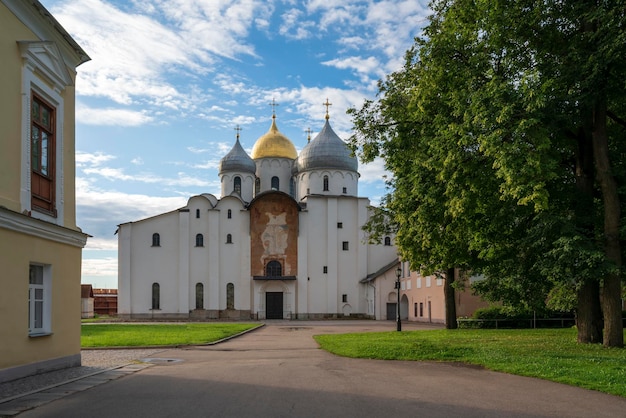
274 305
392 311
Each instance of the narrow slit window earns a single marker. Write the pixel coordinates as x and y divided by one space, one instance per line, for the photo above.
199 240
275 183
199 296
156 296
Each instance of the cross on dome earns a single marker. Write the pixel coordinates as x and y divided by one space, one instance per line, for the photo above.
238 129
274 104
327 104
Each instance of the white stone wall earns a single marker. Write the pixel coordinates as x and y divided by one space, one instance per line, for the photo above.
247 184
266 168
312 182
178 264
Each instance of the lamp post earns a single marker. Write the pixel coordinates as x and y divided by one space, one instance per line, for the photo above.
398 321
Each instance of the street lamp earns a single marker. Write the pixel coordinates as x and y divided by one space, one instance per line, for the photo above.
398 322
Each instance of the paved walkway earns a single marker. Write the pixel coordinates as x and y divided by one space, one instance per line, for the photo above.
278 371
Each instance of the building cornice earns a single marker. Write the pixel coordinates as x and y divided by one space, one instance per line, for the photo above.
39 20
24 224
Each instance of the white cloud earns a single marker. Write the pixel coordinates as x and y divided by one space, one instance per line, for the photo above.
92 159
111 117
208 165
99 267
364 67
133 50
119 174
373 172
218 148
197 150
102 209
294 27
244 120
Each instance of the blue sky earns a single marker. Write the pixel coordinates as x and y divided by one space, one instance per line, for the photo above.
169 80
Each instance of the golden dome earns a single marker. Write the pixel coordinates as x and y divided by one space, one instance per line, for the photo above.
274 144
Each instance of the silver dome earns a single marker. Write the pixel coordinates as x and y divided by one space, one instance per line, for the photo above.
237 160
327 150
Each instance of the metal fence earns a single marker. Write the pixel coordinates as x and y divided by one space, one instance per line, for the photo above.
508 323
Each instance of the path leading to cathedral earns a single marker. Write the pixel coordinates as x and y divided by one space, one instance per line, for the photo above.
279 371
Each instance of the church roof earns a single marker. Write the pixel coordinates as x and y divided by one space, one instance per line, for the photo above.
237 160
327 150
274 144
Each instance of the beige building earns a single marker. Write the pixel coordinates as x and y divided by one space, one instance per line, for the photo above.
40 244
421 297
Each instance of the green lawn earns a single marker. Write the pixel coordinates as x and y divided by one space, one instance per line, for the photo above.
137 335
547 353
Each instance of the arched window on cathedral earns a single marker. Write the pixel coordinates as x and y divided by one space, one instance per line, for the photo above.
275 183
273 269
387 241
325 183
230 296
237 184
199 296
156 240
257 186
229 239
229 214
156 296
199 240
197 213
292 188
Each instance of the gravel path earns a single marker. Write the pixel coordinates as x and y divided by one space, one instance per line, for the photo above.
92 361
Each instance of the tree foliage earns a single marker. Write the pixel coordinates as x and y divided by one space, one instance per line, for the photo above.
503 136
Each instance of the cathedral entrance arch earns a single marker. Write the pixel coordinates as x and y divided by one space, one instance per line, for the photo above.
274 305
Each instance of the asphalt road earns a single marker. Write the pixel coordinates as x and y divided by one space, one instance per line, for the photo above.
279 371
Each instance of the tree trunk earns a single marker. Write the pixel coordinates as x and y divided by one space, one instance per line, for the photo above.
448 290
610 293
588 313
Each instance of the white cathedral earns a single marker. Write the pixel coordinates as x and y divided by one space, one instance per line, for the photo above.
284 241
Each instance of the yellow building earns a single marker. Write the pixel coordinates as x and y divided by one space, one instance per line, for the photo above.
40 244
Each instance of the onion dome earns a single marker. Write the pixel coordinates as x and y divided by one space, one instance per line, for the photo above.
274 144
237 160
327 150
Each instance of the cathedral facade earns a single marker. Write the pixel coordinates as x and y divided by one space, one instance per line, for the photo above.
284 241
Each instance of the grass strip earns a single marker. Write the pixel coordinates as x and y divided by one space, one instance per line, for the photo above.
551 354
138 335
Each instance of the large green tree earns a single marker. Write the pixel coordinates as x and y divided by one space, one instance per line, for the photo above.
503 136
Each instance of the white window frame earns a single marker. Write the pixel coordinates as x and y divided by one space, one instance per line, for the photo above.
39 326
44 73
